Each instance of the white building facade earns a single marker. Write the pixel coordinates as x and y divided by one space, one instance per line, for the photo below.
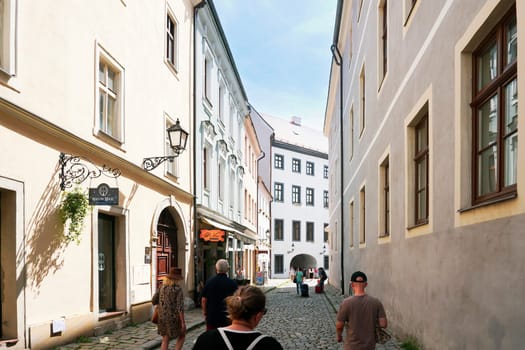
81 105
300 198
221 109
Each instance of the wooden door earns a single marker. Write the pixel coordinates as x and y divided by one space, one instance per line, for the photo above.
167 256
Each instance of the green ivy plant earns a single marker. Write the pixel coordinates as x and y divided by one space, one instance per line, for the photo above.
73 210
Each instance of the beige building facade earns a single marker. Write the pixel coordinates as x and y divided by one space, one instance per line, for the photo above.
426 168
98 84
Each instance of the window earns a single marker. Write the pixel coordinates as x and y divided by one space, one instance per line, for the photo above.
351 133
495 113
309 231
221 103
205 183
362 99
7 32
279 263
309 168
278 230
109 97
351 224
325 171
171 41
384 200
207 78
326 262
325 233
296 230
278 161
325 199
421 171
296 165
309 196
383 35
296 194
278 189
220 180
362 216
359 9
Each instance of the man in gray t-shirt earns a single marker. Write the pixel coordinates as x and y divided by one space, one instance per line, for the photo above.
361 313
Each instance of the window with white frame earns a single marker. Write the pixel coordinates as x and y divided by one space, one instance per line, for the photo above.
420 160
296 165
325 233
296 194
279 263
325 199
310 168
207 79
278 189
7 36
110 95
221 102
310 231
171 41
296 231
309 196
278 161
205 170
325 171
278 230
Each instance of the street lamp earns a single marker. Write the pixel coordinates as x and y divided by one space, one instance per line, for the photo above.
178 137
293 248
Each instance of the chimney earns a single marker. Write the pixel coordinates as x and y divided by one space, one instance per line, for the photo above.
296 120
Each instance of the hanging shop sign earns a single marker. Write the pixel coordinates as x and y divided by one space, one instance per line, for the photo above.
212 235
103 195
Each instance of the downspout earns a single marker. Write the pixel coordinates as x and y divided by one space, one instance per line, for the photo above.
195 232
338 59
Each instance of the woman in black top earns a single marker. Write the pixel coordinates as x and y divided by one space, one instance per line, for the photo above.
246 308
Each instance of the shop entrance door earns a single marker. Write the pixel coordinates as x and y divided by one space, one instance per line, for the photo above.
106 263
167 256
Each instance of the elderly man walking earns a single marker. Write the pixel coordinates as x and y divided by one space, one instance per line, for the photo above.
214 294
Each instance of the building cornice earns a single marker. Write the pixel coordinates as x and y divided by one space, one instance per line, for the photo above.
41 130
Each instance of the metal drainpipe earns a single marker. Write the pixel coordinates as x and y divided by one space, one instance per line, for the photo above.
195 233
338 59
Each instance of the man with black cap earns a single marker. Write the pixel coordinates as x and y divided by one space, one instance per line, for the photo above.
361 313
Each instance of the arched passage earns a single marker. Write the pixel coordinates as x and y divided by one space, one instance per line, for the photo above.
303 261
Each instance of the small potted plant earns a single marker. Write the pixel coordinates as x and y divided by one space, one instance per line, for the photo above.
73 210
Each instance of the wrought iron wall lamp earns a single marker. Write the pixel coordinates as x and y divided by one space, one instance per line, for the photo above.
178 137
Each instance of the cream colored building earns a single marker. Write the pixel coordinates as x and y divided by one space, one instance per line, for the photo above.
101 81
427 175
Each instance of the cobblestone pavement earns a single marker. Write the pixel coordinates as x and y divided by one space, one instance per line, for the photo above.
297 322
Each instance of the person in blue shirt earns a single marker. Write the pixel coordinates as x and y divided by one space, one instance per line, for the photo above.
299 280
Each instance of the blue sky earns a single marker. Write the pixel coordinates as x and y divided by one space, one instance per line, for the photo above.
282 51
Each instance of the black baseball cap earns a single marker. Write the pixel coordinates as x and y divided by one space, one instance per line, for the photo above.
357 274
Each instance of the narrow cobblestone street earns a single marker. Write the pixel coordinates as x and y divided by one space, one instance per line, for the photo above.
297 322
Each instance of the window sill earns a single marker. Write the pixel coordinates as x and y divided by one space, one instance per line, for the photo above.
417 225
111 314
489 202
384 235
8 342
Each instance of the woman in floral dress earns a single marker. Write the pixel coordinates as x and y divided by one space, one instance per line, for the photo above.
170 301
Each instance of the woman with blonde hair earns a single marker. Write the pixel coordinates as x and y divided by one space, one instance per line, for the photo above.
170 301
245 308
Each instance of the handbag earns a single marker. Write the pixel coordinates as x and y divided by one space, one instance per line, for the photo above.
155 316
382 336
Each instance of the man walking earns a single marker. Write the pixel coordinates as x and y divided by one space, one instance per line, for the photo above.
362 314
214 293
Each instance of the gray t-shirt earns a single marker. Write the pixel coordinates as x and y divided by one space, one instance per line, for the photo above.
361 314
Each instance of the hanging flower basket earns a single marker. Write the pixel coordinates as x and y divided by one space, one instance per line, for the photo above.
73 210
